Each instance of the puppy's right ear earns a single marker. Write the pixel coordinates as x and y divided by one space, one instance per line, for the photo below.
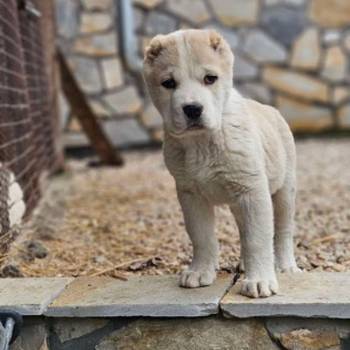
154 48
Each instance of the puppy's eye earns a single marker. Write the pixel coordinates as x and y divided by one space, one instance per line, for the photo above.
169 84
210 79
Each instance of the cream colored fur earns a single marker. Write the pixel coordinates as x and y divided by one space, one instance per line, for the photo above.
243 155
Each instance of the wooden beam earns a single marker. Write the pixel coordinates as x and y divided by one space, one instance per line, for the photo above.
87 118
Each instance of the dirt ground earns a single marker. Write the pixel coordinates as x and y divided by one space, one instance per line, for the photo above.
122 221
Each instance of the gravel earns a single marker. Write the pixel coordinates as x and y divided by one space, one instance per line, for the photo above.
122 221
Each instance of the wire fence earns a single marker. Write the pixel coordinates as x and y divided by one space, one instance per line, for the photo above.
27 125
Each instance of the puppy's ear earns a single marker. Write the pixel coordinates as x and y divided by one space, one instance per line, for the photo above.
154 48
216 40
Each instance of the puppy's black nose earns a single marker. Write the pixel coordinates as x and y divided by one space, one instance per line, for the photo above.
193 111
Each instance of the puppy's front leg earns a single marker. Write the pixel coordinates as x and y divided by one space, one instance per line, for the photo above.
253 212
199 222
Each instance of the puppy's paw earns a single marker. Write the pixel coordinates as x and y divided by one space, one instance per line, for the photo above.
289 269
197 278
287 266
259 288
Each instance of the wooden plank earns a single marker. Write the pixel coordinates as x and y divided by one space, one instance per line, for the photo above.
86 116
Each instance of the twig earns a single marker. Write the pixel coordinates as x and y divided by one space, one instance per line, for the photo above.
116 267
326 238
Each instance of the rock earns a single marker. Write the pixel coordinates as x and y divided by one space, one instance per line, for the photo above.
159 23
139 18
67 329
236 13
307 294
331 37
287 2
340 94
157 135
87 73
152 296
92 5
74 126
36 249
11 270
308 334
194 11
346 40
97 45
344 116
277 327
126 132
256 91
112 73
33 336
148 4
30 296
306 51
263 49
67 13
95 22
302 117
283 23
305 339
335 65
207 333
244 69
296 84
150 117
99 108
144 43
229 34
124 102
330 13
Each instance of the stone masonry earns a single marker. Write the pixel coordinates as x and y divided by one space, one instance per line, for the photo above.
293 54
210 333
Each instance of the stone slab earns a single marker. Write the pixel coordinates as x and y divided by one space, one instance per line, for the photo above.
30 296
307 294
151 296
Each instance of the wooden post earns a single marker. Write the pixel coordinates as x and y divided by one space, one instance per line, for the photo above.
48 36
87 118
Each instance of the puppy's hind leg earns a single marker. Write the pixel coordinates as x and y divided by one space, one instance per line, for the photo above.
284 210
199 221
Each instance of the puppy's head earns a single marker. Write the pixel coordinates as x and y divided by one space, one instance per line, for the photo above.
189 76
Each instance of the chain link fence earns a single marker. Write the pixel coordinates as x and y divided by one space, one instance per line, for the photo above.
27 119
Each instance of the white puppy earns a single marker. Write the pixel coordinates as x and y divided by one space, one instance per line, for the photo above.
223 149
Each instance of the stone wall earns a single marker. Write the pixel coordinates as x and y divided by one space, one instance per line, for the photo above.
212 333
290 53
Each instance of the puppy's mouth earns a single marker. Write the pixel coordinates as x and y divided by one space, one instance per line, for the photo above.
194 127
191 128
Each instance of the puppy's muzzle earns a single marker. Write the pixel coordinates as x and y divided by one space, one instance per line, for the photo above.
193 112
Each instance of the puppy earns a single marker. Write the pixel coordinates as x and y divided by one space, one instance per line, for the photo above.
222 148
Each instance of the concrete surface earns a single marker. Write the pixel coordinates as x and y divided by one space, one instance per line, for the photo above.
307 294
30 296
152 296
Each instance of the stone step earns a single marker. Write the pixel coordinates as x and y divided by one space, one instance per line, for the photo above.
151 296
306 294
30 296
324 294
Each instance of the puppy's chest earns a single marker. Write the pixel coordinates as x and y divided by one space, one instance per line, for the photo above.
207 172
